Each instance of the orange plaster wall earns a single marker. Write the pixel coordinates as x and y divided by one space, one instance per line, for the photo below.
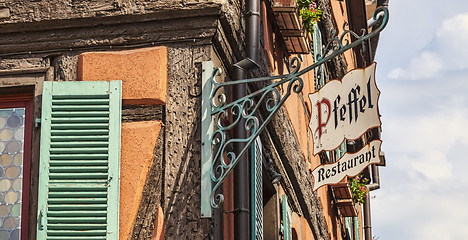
306 232
143 73
144 77
301 227
341 16
138 142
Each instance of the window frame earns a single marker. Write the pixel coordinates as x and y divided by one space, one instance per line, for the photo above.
25 101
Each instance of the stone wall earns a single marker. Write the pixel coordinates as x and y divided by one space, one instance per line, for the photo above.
50 41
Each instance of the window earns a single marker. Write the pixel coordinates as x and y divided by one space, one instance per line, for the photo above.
15 156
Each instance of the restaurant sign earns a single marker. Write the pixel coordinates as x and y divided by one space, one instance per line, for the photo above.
344 109
349 164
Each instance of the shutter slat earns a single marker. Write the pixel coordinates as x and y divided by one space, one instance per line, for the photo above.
80 108
76 238
74 181
66 214
76 207
77 187
79 150
68 101
80 132
97 175
81 114
82 194
62 96
87 126
77 232
76 226
52 220
79 156
77 200
79 138
79 144
78 163
80 120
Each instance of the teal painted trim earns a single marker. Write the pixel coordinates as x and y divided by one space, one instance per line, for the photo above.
319 72
44 160
88 89
115 107
348 225
286 227
269 98
342 149
252 191
206 131
256 191
357 233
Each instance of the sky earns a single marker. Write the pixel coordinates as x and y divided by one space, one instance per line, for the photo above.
422 72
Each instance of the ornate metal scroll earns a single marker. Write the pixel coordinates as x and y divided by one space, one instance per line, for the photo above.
268 100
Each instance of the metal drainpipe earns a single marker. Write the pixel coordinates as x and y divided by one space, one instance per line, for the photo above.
367 214
371 23
241 171
374 168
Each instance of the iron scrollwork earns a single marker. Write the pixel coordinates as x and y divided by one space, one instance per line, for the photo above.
269 99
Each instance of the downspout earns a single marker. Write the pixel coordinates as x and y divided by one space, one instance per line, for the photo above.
367 211
374 168
241 171
371 23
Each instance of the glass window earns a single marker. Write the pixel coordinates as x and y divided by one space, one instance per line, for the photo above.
11 171
15 155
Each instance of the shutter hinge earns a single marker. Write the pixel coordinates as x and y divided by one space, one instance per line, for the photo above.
108 181
37 122
41 216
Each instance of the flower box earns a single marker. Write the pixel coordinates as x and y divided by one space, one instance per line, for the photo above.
290 24
344 199
346 207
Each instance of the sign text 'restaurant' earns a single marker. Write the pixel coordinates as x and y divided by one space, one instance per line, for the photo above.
351 164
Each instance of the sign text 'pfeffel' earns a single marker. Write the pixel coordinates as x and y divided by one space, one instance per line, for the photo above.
344 109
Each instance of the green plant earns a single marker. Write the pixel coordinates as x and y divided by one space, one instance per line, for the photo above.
310 14
358 188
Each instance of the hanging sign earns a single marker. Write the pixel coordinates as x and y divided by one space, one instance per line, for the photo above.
350 164
344 109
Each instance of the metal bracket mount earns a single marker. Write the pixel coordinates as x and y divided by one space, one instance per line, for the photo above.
220 117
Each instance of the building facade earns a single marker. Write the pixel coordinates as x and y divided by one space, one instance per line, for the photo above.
101 112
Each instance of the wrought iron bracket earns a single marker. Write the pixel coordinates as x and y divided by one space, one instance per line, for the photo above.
220 117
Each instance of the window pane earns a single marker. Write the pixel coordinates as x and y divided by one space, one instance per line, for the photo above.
11 171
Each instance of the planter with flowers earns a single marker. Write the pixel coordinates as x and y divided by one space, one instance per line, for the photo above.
296 20
358 188
310 14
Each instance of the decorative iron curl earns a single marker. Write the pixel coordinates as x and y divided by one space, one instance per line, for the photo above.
268 98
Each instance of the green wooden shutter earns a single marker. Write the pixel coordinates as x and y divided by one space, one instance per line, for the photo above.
257 191
80 161
356 224
319 71
348 222
286 226
341 150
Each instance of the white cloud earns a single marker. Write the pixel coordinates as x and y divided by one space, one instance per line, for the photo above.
420 215
425 133
426 65
447 52
452 37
